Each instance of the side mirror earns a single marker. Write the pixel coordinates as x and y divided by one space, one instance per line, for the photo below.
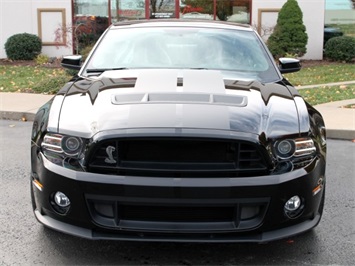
72 62
289 65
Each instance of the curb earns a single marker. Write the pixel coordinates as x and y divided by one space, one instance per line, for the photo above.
340 134
23 116
325 85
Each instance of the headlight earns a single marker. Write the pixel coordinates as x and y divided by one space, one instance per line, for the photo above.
285 148
304 147
52 142
294 147
71 145
66 151
293 154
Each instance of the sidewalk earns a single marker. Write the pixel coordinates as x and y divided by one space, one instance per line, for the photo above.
340 122
17 106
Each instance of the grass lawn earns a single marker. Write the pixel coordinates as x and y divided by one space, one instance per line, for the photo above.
322 73
39 79
347 29
327 94
36 79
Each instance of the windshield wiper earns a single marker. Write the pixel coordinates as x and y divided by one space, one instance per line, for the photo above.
101 70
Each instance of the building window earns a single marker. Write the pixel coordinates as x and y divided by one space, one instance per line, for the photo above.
227 10
118 10
162 9
91 7
339 18
127 9
91 18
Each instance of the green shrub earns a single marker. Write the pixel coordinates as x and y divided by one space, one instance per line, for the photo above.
85 51
50 85
87 39
71 72
42 59
289 35
340 49
23 46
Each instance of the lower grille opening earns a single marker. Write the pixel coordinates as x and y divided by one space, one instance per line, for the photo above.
116 214
176 213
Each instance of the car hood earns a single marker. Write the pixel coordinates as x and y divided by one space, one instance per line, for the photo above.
173 99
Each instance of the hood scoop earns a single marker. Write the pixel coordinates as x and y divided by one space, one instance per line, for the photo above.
188 87
180 98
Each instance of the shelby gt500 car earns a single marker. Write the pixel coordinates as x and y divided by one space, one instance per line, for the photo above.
179 131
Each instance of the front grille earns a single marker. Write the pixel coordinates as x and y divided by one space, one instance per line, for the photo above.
177 157
233 215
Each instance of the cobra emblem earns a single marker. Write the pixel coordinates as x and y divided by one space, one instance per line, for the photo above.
109 151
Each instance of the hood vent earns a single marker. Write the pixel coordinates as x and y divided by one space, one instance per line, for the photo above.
180 98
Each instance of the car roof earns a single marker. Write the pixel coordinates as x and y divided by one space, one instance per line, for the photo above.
182 23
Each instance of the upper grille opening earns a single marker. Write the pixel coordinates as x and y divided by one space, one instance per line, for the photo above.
177 157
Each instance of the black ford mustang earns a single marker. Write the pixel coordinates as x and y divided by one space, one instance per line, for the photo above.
179 131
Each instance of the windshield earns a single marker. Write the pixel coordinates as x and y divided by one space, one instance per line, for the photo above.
236 51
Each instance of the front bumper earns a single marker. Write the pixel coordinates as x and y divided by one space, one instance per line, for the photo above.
205 238
178 209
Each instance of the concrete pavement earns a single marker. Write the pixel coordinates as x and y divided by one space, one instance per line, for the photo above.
17 106
339 121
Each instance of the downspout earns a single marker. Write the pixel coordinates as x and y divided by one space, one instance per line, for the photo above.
250 11
177 9
214 9
73 25
147 13
109 13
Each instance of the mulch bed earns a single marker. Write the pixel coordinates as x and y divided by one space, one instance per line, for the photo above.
7 62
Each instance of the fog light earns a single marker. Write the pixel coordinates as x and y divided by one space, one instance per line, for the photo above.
293 203
60 203
293 207
61 199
